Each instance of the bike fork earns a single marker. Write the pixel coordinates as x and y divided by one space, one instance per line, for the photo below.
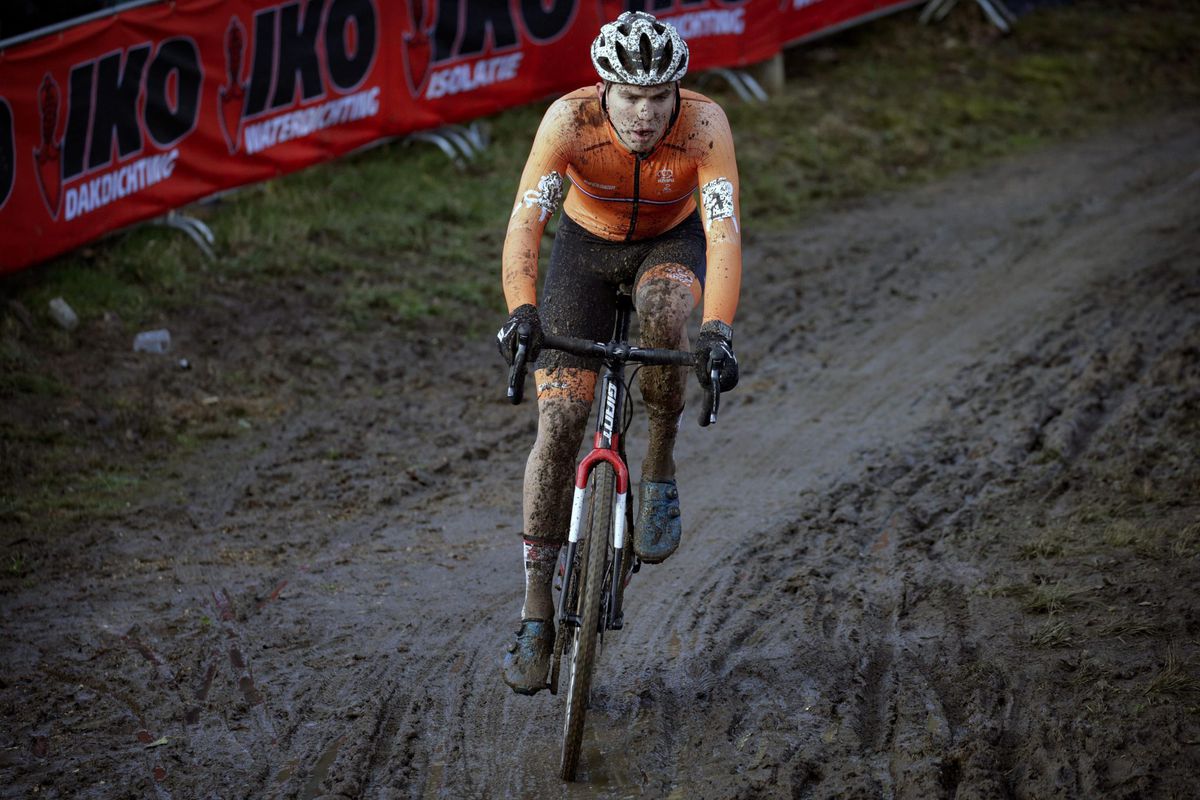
619 518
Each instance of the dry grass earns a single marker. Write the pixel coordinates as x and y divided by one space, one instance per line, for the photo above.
1045 597
1186 543
1129 627
1121 533
1176 678
1049 544
1052 634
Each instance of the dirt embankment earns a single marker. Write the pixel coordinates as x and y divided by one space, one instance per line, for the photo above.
944 542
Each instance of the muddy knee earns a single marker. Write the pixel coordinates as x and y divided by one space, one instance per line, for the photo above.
561 423
663 304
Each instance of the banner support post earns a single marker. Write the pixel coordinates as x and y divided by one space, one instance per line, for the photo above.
995 10
742 83
196 230
460 143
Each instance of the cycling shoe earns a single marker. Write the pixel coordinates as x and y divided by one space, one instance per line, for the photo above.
526 663
658 529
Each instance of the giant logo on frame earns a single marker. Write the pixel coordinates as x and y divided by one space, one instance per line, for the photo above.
447 40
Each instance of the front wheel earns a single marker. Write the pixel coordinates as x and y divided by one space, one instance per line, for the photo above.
595 536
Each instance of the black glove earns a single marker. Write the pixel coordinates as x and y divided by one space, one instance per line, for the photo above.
715 346
506 339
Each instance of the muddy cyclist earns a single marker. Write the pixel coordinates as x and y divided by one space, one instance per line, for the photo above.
635 147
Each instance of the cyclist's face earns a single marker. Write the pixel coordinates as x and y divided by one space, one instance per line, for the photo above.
640 114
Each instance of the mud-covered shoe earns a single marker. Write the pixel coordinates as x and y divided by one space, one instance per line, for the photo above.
658 528
526 663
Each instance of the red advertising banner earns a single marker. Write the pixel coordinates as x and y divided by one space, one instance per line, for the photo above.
120 119
805 19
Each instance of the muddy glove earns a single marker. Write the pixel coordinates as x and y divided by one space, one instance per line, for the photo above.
715 345
506 339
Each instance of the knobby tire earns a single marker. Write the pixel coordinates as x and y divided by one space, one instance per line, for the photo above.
596 529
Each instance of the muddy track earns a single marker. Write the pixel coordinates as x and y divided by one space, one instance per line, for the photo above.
933 382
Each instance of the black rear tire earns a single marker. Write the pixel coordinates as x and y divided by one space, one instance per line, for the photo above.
596 528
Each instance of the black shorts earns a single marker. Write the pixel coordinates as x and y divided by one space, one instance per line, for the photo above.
579 297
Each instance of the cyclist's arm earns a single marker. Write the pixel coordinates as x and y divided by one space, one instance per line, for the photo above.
721 211
540 193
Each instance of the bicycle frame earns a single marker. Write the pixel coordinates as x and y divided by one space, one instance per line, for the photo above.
606 447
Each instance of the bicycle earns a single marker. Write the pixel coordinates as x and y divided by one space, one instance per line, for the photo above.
597 564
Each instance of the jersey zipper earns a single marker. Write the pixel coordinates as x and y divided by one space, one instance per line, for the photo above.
637 183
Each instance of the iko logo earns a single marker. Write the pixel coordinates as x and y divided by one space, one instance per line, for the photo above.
113 103
447 33
297 50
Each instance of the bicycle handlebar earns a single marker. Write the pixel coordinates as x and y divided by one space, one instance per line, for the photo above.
612 352
618 352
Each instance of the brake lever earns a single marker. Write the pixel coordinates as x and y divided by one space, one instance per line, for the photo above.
516 374
712 396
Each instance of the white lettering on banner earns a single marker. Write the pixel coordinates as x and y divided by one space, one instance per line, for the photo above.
699 24
799 4
301 123
129 179
469 77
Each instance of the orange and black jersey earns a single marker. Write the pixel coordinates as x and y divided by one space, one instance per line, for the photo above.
618 195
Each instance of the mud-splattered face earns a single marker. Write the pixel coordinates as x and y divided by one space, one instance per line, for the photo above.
640 114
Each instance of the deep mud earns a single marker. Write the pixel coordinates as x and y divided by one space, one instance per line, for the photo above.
943 543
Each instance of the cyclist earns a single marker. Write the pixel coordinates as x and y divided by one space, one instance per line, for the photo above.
635 147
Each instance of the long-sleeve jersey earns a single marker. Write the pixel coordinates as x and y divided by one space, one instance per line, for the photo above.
618 195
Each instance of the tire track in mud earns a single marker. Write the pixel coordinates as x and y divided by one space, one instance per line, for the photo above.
151 763
430 694
262 483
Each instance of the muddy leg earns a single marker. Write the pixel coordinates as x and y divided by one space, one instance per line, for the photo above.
563 409
664 299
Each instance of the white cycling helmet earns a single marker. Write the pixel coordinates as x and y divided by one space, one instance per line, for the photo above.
640 50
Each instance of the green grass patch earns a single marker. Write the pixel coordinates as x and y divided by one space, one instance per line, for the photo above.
31 383
135 275
928 100
98 493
